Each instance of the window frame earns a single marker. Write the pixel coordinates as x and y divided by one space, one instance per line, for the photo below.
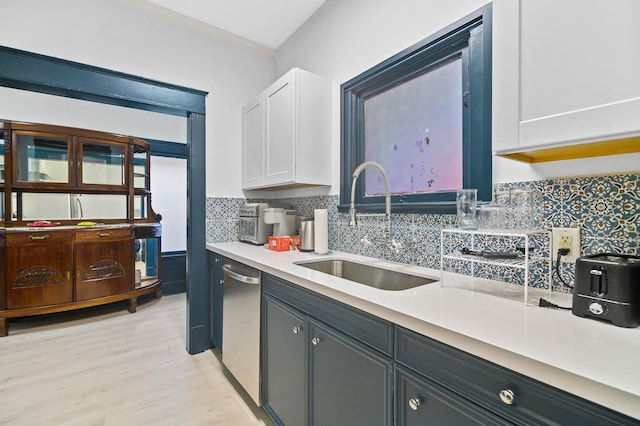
469 37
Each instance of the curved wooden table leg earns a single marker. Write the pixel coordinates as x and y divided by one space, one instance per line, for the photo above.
159 292
4 326
133 304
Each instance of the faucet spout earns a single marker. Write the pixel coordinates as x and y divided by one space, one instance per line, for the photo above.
387 196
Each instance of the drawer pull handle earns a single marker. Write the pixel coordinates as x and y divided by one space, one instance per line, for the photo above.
315 341
38 237
297 329
507 396
104 234
415 403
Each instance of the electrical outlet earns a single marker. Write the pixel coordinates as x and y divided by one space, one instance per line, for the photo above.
565 242
568 238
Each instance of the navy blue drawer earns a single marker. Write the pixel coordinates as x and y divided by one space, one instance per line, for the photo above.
480 381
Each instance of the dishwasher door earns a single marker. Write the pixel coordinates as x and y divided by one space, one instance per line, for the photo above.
241 326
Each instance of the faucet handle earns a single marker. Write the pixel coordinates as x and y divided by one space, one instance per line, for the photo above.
395 246
366 241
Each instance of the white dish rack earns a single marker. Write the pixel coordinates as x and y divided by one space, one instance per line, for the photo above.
452 239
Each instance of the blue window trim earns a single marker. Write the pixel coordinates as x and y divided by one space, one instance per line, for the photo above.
470 38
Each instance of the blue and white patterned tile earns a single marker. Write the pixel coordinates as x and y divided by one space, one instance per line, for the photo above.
622 245
552 202
606 208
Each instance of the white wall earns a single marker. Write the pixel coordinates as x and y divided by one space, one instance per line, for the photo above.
136 37
346 38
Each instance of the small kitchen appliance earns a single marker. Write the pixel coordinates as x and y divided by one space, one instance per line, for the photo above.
607 287
306 235
283 220
251 225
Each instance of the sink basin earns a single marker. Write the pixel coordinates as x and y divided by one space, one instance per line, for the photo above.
362 273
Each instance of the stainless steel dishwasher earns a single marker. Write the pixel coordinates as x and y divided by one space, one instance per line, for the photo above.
241 325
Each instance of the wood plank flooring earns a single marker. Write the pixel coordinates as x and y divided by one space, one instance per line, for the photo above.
105 366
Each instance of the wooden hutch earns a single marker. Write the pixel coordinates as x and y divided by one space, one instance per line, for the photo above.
76 224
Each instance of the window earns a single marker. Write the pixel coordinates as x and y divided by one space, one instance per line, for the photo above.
425 116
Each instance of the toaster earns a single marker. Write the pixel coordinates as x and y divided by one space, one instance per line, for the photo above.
607 287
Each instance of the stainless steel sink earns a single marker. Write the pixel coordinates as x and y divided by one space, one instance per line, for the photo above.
362 273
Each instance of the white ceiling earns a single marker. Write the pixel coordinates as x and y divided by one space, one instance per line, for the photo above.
268 22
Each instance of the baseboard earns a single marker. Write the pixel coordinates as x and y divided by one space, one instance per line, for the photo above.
174 272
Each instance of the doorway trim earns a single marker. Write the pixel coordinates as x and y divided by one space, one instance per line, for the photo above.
45 74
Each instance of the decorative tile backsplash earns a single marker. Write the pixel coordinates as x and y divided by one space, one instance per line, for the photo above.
605 208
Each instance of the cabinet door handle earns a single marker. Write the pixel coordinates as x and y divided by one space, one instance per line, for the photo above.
68 275
507 396
297 329
38 237
415 403
104 234
221 282
315 341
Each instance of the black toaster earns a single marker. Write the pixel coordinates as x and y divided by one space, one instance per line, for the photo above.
607 287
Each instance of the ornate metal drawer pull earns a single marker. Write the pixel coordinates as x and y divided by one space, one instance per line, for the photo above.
38 237
104 234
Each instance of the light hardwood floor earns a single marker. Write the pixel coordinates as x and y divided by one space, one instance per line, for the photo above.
105 366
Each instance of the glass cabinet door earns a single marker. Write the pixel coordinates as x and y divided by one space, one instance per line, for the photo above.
147 261
140 167
103 163
41 158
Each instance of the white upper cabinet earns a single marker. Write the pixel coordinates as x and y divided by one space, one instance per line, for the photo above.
287 134
565 78
253 144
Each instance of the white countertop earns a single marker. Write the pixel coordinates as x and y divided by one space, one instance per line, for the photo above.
592 359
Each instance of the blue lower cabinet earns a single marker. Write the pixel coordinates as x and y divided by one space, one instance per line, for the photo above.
326 363
349 384
216 292
518 399
284 394
419 401
314 373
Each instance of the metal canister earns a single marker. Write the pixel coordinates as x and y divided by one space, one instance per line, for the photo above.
306 235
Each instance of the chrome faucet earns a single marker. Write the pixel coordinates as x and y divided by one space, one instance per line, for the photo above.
390 243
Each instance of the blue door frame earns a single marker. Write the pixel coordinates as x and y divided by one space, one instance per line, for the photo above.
45 74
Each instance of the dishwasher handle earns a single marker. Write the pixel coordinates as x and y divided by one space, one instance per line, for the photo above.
239 277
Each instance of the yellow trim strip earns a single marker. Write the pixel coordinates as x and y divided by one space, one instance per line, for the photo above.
585 150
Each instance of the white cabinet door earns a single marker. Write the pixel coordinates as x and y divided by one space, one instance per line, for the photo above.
287 134
565 72
280 121
253 144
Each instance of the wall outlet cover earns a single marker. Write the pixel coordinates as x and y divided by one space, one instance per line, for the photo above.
566 237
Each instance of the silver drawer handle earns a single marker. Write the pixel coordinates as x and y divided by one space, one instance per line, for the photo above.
415 403
297 330
239 277
507 396
315 341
